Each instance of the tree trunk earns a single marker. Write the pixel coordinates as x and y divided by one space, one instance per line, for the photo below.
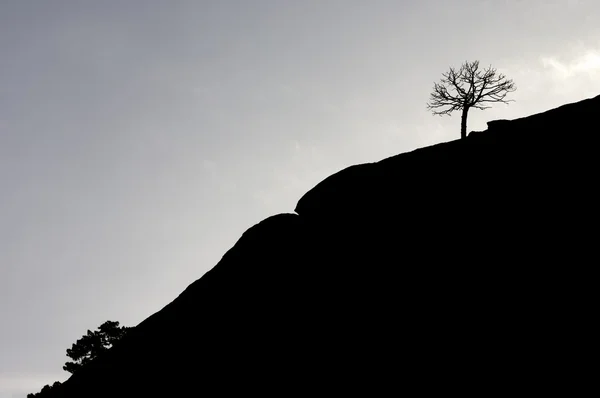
463 123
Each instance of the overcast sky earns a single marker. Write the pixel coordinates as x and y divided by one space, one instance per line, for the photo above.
140 139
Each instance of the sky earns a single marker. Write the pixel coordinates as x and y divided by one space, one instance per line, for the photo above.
140 138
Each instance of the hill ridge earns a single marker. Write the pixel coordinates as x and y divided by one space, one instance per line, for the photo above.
460 258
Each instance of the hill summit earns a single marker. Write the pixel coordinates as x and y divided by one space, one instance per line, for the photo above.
462 266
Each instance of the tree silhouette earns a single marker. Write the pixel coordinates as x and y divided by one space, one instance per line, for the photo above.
47 391
85 350
469 87
91 345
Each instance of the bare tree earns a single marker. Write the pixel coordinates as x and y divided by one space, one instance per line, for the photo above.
469 87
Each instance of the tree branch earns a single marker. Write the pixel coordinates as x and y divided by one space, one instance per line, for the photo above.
471 87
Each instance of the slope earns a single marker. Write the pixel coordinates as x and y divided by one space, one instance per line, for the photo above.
462 265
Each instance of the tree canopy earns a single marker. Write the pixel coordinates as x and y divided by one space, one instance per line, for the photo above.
84 351
91 345
466 88
47 391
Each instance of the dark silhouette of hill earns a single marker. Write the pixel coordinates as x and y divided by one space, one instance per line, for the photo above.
464 266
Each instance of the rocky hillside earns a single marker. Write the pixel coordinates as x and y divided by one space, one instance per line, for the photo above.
463 266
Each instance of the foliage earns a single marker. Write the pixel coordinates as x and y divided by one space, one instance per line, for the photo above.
85 350
93 344
47 391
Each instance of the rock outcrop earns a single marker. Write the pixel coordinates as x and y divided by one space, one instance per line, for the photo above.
463 266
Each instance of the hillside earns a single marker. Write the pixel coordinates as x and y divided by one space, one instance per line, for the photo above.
463 265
